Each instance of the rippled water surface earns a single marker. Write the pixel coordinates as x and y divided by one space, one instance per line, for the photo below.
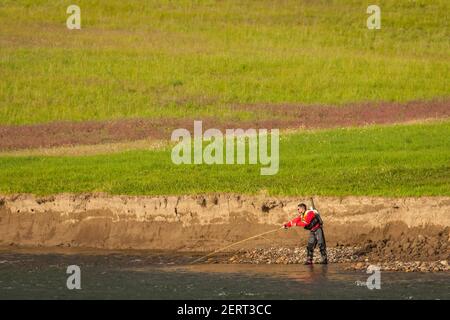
170 276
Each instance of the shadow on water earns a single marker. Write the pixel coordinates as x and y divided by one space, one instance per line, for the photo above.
162 276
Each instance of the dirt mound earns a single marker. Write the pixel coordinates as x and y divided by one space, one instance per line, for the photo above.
409 246
266 116
381 228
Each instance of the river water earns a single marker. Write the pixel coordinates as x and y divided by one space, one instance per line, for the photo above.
154 275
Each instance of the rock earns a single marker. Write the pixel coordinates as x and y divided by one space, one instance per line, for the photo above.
279 260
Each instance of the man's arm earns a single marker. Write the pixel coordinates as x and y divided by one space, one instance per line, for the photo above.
298 222
288 224
295 222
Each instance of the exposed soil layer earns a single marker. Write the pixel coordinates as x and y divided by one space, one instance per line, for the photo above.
266 116
382 229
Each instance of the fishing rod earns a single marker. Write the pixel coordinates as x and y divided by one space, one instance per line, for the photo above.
235 243
241 241
312 204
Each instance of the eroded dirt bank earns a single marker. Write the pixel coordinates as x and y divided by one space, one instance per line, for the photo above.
403 229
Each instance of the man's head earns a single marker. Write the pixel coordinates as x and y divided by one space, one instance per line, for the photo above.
301 208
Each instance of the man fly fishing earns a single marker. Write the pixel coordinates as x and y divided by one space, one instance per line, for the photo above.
310 220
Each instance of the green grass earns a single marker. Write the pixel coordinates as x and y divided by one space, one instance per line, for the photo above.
196 58
402 160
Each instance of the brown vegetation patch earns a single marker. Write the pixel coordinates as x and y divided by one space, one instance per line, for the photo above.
266 116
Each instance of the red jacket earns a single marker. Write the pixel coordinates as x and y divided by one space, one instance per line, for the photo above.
303 221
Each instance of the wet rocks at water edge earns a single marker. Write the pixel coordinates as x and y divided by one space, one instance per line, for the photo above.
275 255
352 256
408 266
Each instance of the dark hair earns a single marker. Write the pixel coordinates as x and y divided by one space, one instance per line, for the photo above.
301 205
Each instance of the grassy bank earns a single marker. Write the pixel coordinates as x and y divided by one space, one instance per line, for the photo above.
403 160
196 58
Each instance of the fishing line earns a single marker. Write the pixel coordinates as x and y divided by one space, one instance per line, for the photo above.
235 243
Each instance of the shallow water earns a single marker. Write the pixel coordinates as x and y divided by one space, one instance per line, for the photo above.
163 276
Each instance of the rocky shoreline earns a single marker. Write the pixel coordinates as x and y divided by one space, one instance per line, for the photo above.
353 256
